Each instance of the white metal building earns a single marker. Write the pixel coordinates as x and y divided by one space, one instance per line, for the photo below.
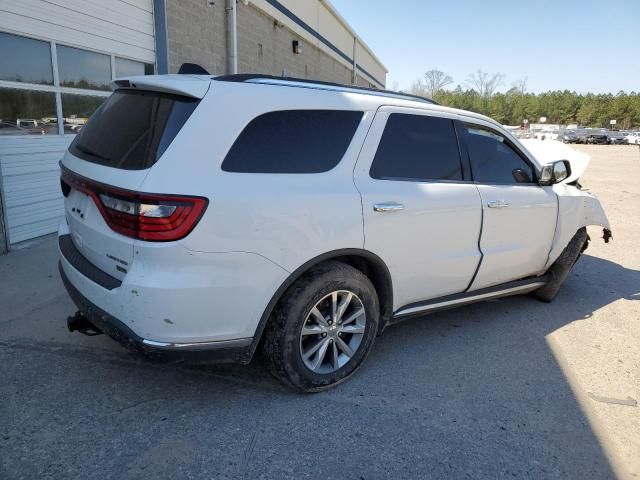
57 58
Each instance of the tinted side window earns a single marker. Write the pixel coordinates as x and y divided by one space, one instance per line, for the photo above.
417 147
293 141
492 159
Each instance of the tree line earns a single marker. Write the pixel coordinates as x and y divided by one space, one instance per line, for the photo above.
479 94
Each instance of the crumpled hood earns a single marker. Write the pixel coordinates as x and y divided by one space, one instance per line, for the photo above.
547 151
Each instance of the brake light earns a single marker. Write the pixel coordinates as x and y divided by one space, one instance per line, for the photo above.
145 216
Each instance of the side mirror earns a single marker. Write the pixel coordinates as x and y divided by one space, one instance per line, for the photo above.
554 172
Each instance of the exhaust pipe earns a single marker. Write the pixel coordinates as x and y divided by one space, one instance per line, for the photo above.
80 323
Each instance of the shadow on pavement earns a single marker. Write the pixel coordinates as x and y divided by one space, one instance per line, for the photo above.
473 392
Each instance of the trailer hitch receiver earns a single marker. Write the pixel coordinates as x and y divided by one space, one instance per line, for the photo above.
80 323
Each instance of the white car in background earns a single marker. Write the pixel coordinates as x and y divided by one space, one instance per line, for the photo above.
212 216
633 138
546 135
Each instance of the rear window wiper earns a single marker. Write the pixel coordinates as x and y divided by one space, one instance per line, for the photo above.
93 153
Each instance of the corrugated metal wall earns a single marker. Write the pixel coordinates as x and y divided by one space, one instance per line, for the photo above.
121 27
31 184
3 243
29 164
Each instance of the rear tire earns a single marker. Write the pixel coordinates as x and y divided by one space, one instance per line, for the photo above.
316 337
562 266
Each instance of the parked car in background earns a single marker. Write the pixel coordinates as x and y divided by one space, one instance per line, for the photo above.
27 123
521 134
546 134
215 216
568 136
617 138
52 128
633 138
12 128
597 138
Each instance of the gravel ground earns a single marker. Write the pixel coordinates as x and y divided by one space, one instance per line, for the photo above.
507 388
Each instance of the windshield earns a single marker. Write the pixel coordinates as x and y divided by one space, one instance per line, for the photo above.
132 129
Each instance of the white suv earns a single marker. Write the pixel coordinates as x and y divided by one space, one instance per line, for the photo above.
209 216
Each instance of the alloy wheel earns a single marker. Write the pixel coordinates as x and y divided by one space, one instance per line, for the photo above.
332 332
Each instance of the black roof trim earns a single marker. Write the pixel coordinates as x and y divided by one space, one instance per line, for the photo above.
243 77
192 69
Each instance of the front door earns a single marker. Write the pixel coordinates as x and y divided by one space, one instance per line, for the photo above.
519 216
422 213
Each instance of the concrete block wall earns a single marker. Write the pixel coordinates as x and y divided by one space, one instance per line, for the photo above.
265 46
197 33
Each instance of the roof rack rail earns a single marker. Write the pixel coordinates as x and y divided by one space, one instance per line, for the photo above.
244 77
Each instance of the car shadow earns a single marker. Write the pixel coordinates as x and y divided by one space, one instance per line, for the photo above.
473 392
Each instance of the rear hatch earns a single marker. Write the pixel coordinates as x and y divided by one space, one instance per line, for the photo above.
108 161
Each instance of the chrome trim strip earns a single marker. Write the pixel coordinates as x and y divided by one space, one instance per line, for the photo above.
238 343
471 298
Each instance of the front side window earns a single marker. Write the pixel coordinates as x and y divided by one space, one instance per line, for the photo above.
417 147
493 160
25 60
293 141
79 68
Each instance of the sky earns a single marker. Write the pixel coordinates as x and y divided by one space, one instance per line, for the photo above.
584 46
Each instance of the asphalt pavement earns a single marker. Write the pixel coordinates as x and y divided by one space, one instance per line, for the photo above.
508 388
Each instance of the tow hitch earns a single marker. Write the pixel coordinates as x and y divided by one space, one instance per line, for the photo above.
80 323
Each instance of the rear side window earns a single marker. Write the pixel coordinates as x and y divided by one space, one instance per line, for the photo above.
417 147
293 141
493 160
132 129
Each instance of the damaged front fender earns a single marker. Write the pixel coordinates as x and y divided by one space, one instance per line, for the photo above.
576 209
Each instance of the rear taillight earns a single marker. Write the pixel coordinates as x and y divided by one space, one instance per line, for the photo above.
146 216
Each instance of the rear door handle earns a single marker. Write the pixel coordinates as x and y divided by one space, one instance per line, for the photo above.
388 207
497 204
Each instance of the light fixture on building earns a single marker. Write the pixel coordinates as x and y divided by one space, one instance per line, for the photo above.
297 48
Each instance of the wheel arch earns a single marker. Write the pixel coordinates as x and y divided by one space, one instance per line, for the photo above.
367 262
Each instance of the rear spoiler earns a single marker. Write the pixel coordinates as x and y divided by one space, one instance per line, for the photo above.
195 86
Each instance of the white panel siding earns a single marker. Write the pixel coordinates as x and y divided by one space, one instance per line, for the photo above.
124 28
31 184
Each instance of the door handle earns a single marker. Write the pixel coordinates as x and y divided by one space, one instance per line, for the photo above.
387 207
497 204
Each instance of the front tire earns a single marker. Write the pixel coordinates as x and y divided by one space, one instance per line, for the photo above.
562 266
323 328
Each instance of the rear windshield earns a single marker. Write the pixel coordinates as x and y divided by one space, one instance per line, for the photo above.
132 129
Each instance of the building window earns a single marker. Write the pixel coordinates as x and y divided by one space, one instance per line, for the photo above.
27 112
129 68
76 110
83 69
40 94
25 60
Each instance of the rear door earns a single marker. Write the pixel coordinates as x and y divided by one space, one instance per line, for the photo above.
422 213
519 216
122 141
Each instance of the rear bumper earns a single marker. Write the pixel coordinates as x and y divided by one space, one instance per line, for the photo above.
237 351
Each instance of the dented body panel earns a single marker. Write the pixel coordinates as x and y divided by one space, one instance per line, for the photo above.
576 209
